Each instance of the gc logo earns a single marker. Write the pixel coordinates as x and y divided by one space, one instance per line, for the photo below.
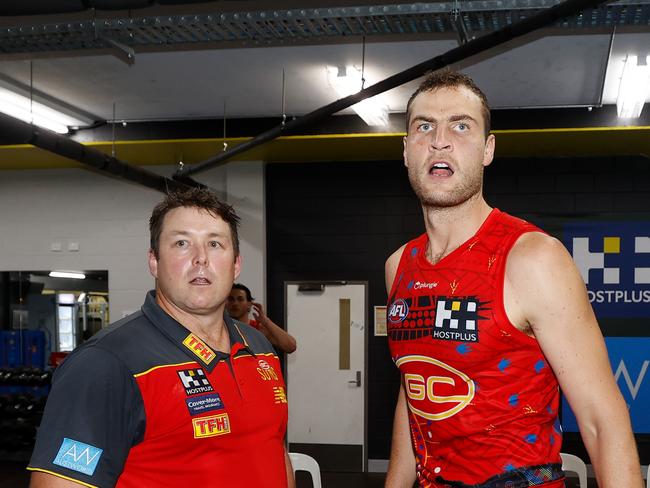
435 390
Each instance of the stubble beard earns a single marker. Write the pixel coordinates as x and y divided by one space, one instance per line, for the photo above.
466 190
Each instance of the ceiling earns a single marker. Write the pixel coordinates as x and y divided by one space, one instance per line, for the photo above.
247 59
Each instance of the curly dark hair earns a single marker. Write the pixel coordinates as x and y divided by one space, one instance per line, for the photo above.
446 78
200 198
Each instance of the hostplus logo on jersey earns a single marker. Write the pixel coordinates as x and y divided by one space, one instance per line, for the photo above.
614 261
194 381
456 319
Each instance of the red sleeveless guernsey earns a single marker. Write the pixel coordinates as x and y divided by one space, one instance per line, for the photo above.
483 402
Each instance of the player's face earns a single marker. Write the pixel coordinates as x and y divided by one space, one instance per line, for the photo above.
196 264
445 149
238 306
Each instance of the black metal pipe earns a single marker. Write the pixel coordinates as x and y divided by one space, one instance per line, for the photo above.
459 53
19 132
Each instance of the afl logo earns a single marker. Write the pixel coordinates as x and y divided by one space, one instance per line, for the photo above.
435 390
398 311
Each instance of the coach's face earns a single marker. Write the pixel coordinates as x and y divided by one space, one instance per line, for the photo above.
445 149
196 264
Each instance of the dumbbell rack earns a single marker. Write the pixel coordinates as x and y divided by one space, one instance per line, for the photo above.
23 392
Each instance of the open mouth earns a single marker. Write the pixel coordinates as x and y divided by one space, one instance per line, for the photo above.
441 169
199 280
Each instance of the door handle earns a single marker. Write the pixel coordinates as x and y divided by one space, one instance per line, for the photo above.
357 381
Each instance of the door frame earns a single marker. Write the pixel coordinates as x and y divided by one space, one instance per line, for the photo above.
325 283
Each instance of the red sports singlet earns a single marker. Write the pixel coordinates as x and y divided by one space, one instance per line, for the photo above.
483 402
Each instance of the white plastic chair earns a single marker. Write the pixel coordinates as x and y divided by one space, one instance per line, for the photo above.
576 465
302 462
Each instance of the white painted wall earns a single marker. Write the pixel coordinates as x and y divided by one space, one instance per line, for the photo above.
109 218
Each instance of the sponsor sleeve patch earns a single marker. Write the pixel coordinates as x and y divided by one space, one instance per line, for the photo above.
78 456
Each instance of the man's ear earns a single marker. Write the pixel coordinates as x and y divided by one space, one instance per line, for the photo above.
488 152
404 142
237 266
153 263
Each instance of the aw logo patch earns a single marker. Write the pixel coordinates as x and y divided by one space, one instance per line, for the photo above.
194 381
614 261
78 456
457 319
398 311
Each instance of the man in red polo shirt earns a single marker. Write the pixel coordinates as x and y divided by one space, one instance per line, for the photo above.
177 394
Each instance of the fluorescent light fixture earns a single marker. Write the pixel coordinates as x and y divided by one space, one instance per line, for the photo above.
346 80
77 275
37 113
634 87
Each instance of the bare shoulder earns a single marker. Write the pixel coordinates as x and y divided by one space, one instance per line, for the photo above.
391 266
541 278
536 252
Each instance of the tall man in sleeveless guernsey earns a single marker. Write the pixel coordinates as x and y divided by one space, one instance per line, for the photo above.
487 318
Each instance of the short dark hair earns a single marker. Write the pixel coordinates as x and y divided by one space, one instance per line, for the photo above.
244 288
446 78
199 198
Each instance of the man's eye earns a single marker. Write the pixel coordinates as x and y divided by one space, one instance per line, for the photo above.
424 127
462 126
215 244
181 243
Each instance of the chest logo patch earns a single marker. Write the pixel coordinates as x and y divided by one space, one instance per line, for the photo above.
78 456
194 381
199 348
435 390
266 371
399 310
204 403
456 319
279 395
211 426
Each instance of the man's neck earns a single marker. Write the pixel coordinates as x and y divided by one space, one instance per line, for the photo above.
449 227
210 328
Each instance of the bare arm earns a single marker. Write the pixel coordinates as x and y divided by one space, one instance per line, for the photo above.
544 291
276 335
401 468
291 480
47 480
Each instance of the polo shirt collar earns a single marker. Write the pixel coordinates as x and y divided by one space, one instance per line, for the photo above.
190 343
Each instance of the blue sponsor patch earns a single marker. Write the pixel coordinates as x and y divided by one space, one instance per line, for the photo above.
204 403
78 456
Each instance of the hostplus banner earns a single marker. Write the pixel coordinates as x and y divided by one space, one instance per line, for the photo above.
614 260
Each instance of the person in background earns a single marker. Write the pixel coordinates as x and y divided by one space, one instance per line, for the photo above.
487 316
241 305
177 394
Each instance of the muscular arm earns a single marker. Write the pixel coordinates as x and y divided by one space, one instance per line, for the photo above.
276 335
545 292
47 480
401 468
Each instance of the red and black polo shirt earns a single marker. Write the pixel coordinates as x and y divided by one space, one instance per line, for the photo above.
146 403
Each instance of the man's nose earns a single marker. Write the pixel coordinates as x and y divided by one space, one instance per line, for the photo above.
440 139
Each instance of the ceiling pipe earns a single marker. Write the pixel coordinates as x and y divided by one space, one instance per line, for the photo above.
19 132
455 55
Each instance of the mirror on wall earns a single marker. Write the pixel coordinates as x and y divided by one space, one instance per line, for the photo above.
51 311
